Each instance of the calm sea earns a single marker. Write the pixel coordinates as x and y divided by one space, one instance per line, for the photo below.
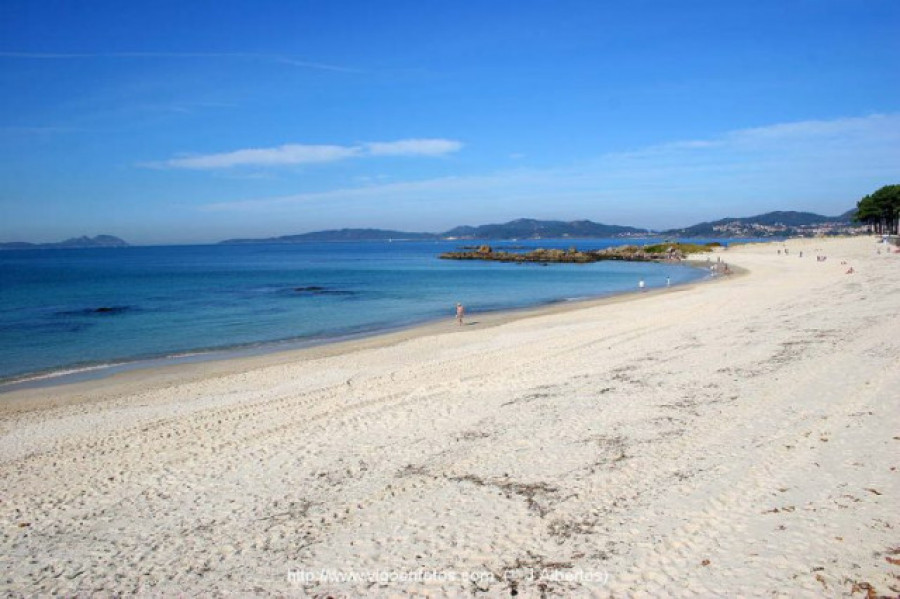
63 310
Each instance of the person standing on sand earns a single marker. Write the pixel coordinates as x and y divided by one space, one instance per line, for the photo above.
460 312
641 284
668 281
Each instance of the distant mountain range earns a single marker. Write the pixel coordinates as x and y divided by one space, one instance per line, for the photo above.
763 225
527 228
339 235
100 241
770 224
523 228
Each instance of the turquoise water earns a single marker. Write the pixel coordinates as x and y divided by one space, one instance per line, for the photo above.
69 309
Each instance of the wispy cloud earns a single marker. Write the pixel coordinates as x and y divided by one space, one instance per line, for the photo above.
413 147
280 156
277 58
295 154
817 164
810 135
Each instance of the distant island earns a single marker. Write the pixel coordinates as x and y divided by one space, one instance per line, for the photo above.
771 224
100 241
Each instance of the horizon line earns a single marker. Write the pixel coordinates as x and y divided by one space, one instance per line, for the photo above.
649 231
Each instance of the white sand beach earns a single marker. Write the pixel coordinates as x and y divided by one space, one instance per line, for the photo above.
738 438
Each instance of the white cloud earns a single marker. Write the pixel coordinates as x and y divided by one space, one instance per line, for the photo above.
821 165
413 147
293 154
282 155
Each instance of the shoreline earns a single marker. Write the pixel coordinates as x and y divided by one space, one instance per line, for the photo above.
298 348
730 439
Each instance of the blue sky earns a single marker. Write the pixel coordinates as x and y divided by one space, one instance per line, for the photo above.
171 122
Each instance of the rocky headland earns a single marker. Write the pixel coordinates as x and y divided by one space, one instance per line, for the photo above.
633 253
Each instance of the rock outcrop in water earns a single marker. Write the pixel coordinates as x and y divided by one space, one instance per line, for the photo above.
317 290
632 253
100 310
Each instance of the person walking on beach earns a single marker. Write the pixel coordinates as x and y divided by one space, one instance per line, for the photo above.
460 312
668 281
641 284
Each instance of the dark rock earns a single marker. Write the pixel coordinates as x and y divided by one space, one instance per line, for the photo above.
572 255
102 310
317 290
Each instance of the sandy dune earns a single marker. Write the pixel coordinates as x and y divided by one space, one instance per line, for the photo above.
734 438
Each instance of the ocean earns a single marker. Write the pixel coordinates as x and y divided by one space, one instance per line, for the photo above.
64 311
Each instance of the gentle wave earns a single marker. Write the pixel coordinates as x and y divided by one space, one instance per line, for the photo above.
67 314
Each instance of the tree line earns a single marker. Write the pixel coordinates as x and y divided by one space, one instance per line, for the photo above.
880 210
